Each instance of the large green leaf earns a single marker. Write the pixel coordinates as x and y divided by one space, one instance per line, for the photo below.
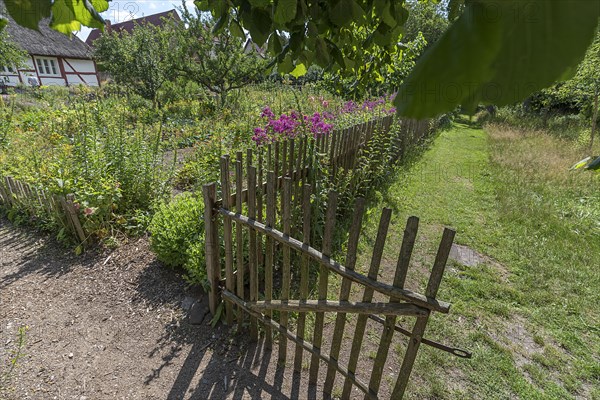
259 23
63 18
498 52
285 11
86 13
346 12
28 12
3 23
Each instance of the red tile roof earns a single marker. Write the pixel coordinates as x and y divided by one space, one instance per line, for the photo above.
154 19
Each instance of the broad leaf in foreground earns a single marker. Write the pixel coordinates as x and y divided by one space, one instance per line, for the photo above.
498 52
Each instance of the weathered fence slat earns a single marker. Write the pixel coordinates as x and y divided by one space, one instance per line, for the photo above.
270 250
286 270
419 328
408 242
253 254
304 272
364 308
227 235
213 269
239 236
350 263
361 323
323 280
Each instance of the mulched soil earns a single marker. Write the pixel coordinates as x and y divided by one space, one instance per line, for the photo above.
111 325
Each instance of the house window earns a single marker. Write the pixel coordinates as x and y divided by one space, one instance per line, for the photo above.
46 66
8 70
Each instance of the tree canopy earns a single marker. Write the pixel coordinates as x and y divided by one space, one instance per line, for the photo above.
496 51
140 60
10 54
215 60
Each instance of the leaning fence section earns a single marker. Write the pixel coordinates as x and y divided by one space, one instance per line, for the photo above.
40 204
271 264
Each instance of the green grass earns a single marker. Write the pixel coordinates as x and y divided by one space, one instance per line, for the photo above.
531 314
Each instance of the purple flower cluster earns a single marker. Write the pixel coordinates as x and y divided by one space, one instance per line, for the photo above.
287 125
349 107
373 104
267 113
317 125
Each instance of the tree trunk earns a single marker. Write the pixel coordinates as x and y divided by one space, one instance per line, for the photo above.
594 118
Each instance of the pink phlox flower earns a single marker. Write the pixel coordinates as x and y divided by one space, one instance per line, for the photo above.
267 113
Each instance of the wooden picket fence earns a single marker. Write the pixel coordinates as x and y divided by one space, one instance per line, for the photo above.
268 234
41 204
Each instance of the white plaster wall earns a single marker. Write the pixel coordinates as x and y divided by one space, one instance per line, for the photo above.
52 81
90 80
9 80
79 65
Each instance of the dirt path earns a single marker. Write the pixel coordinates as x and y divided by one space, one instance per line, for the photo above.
111 325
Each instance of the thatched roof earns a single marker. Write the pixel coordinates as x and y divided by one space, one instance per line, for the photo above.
46 41
159 19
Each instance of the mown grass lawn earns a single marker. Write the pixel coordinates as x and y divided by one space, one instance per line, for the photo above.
531 312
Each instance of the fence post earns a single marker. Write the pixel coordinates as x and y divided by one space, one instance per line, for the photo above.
213 268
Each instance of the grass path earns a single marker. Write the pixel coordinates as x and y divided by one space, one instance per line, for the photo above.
530 313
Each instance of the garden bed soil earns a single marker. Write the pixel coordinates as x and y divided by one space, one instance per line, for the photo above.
113 324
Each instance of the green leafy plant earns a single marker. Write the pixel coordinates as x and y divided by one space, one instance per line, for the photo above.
177 231
12 362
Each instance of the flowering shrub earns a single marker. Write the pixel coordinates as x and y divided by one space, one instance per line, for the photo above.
320 123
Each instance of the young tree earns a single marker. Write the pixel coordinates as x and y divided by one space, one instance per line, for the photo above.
216 61
140 60
11 55
427 18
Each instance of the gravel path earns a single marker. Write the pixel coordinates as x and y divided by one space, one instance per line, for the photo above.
110 325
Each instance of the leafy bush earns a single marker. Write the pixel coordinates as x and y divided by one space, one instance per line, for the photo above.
177 235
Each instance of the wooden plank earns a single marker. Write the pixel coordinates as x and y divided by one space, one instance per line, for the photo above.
284 145
227 236
332 154
315 351
213 269
361 323
286 205
408 242
276 161
239 236
4 194
340 321
252 253
290 167
419 328
304 272
367 308
270 252
305 163
75 218
248 158
332 198
270 157
383 288
297 175
260 190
